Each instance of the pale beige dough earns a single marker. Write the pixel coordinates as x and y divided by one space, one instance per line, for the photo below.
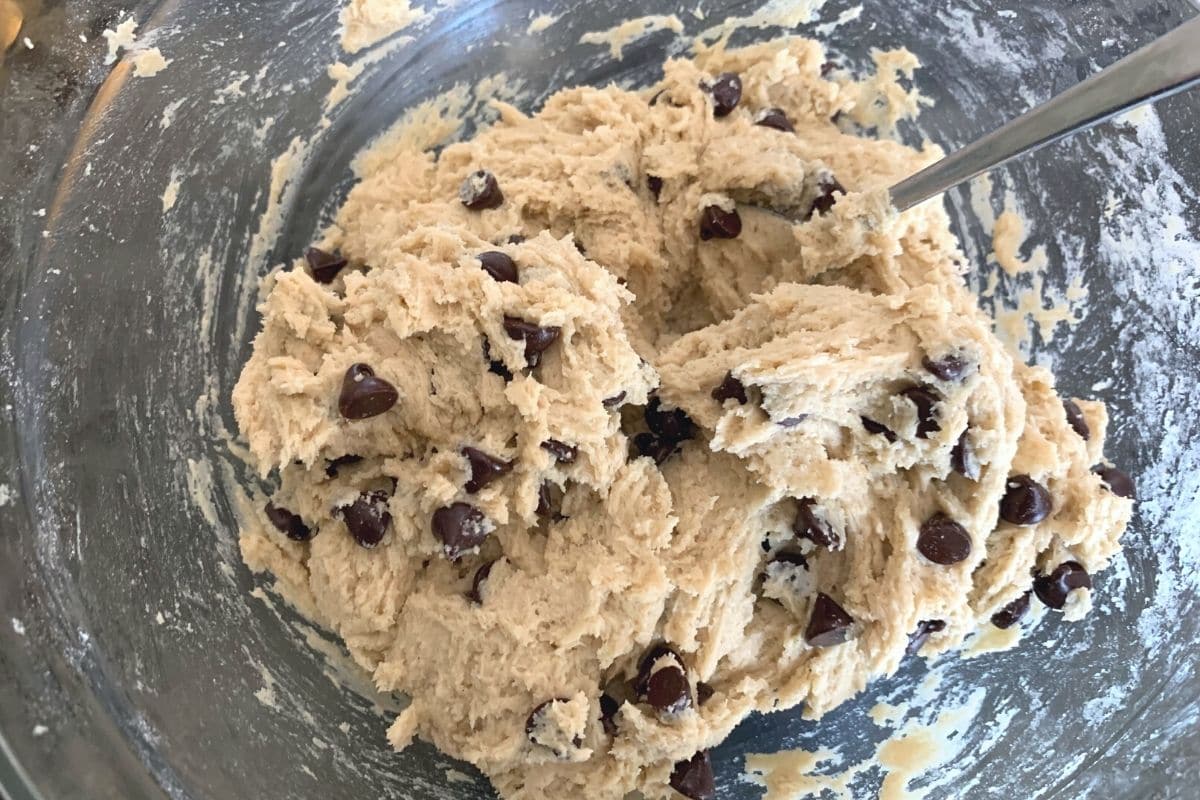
826 320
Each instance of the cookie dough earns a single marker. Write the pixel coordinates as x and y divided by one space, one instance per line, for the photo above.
601 430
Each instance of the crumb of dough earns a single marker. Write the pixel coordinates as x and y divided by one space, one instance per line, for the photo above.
588 448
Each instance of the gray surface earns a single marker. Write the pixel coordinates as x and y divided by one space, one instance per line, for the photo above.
105 350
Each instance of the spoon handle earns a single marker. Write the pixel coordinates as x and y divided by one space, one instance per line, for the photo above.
1169 64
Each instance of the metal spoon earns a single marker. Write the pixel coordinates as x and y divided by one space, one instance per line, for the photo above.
1169 64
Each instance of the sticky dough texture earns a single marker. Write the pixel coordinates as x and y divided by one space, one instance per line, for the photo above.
828 319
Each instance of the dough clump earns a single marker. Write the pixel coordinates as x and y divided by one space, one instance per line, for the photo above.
624 420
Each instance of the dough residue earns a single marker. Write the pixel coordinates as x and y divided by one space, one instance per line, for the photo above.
618 37
365 22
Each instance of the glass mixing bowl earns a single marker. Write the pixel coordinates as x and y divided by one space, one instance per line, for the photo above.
133 661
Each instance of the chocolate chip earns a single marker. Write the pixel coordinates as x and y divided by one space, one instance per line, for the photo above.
485 468
499 266
948 368
924 399
550 498
325 266
579 246
609 706
1076 419
564 453
726 92
367 518
877 428
694 778
673 425
1053 589
515 238
703 692
963 459
717 223
480 190
730 389
614 401
808 525
828 67
774 118
791 557
364 395
925 628
827 186
943 541
791 422
537 339
481 576
288 523
1025 501
668 691
537 720
494 366
460 527
829 623
1117 481
654 447
655 184
332 467
1011 614
641 681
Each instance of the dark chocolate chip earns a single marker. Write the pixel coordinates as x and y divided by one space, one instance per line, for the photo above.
879 429
791 557
499 266
579 246
963 459
726 92
827 190
536 719
1116 480
673 425
694 778
948 368
480 190
1025 501
550 498
494 366
332 467
655 184
609 706
641 681
481 576
925 628
829 624
367 518
808 525
730 389
614 401
1076 419
564 453
515 238
288 523
924 399
1053 589
717 223
791 422
537 339
460 527
485 468
655 447
774 118
325 266
1011 614
364 395
668 691
827 68
943 541
703 692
